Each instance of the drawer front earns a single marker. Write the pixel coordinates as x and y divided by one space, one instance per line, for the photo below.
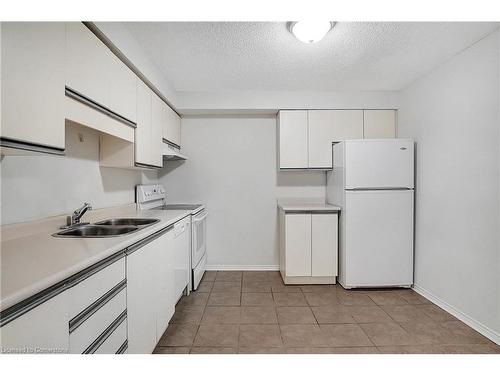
88 331
114 341
92 288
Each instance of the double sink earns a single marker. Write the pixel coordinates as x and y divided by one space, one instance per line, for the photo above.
107 228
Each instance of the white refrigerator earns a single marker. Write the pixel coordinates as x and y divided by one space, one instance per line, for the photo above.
373 181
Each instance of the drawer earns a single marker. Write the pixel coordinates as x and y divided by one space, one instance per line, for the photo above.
92 288
87 332
114 341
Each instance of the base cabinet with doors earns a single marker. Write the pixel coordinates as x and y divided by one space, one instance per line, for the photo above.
150 290
305 137
44 329
122 304
308 246
182 241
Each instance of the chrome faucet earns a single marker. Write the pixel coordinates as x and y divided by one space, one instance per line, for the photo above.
74 220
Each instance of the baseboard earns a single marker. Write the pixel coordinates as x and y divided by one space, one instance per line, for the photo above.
229 267
471 322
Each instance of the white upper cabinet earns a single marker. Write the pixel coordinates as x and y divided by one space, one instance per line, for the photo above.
306 137
144 123
172 127
87 63
292 128
32 83
157 117
122 89
379 123
96 73
328 126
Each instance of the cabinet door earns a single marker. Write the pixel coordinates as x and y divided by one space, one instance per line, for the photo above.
156 130
87 63
164 273
328 126
172 128
298 244
182 255
32 82
292 127
144 124
141 301
379 123
41 330
324 244
122 89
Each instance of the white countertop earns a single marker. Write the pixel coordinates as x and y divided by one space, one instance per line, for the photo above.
306 205
31 259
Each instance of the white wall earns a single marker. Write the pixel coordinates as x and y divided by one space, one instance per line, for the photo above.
38 186
453 114
232 169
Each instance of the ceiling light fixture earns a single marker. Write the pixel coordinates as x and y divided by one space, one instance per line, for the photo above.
310 31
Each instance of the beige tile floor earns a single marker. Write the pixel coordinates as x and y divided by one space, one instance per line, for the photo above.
254 312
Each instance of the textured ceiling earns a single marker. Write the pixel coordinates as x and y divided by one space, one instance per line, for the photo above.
208 56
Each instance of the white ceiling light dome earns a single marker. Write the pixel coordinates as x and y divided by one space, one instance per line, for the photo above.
310 31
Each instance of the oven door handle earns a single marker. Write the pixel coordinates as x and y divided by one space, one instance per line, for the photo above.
197 219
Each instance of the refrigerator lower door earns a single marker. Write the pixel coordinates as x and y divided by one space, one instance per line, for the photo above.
378 238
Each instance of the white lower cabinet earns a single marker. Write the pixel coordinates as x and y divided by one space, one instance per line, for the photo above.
164 281
298 244
43 329
120 304
141 299
182 243
324 240
308 247
150 299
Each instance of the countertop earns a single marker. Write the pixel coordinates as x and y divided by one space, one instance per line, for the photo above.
306 205
31 259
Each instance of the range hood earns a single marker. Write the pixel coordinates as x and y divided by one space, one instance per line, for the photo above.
172 153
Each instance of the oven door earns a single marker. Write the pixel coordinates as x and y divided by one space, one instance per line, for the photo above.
199 237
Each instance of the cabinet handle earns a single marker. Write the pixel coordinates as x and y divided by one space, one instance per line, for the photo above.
78 320
107 332
98 107
122 348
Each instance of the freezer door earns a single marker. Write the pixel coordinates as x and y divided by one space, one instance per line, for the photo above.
378 238
375 164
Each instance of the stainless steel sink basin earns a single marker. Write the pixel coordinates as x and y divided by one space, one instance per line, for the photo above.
130 221
97 231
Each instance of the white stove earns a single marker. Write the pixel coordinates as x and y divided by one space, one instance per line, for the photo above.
154 197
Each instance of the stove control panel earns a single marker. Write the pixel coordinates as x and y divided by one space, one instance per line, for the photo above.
148 193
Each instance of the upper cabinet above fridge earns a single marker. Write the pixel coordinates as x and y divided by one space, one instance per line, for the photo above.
306 136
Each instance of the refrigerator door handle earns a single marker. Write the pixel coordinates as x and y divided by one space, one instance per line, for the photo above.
378 188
